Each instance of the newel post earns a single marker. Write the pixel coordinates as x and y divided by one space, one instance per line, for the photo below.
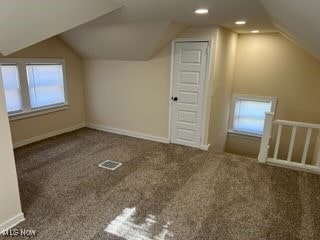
264 146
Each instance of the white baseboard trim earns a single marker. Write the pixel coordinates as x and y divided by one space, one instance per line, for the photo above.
205 147
48 135
11 222
128 133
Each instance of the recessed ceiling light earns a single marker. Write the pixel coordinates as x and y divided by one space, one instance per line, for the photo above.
241 22
255 31
201 11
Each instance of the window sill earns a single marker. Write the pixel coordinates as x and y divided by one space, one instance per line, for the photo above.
243 134
37 112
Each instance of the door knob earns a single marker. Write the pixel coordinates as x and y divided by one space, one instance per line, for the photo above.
174 98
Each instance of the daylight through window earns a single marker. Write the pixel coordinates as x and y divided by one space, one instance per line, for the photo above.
33 85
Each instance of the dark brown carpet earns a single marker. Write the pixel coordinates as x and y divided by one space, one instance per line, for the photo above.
177 192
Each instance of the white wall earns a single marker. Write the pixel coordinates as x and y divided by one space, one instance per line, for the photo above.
134 95
221 89
129 95
271 65
9 193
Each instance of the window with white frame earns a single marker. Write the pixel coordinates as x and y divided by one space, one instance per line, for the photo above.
12 89
248 113
33 85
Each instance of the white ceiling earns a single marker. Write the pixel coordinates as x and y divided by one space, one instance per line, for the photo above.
298 20
221 12
141 27
137 29
23 23
131 41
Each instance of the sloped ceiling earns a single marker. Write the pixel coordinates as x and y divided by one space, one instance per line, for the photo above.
23 23
137 29
298 20
221 12
132 41
141 27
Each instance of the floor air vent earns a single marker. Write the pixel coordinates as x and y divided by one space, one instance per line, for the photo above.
111 165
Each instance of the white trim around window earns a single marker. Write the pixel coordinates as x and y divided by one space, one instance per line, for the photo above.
253 98
27 111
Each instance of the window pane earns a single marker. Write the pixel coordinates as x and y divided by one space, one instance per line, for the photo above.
11 85
45 85
249 115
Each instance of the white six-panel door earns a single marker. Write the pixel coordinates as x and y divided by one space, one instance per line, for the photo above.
189 76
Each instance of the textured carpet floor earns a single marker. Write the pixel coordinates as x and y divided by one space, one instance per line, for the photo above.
172 192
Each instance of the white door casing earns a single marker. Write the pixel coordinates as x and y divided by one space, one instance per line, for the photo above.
189 77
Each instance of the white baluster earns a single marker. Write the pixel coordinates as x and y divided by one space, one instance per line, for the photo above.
276 150
306 146
264 146
293 138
